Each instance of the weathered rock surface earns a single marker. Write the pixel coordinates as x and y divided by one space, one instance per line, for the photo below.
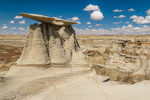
128 56
144 69
35 51
51 54
50 20
1 79
123 62
49 43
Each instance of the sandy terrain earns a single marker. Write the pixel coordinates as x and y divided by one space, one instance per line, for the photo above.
77 83
69 83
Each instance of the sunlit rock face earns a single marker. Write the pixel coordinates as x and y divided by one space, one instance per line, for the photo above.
47 44
129 56
123 62
51 42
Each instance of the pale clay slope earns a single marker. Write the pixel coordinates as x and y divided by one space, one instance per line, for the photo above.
48 44
76 83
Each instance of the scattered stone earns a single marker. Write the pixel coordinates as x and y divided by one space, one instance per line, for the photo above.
1 79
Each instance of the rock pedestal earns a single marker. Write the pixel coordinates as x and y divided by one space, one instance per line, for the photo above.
51 42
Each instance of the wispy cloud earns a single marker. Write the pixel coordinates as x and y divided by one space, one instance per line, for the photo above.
12 22
88 23
116 10
13 28
117 22
121 16
91 7
22 22
18 17
98 24
4 27
127 22
131 9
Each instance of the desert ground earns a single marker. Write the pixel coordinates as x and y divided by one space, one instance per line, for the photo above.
95 47
117 64
11 47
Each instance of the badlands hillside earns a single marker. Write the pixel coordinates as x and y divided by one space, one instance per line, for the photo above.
121 63
120 54
123 58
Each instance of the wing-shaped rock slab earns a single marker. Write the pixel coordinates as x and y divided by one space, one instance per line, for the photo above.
51 20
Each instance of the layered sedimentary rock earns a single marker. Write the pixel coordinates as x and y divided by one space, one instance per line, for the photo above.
144 69
35 51
52 45
51 20
51 42
123 62
131 57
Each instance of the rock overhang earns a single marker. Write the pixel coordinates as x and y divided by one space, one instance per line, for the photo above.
45 19
51 42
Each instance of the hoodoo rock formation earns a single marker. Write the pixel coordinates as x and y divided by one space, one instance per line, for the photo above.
51 55
54 67
51 42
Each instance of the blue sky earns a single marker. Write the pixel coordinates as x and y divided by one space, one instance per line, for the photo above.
111 16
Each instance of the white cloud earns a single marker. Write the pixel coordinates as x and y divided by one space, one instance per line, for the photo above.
25 30
148 12
60 16
97 15
2 14
18 17
21 28
13 28
78 22
88 23
98 24
3 32
121 16
88 31
130 25
89 26
12 22
116 10
4 27
22 22
142 20
117 22
127 22
24 33
4 24
132 30
131 9
75 18
15 33
91 7
133 17
115 16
